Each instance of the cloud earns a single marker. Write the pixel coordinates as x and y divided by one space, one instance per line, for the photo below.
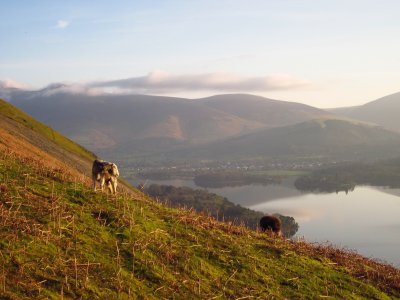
8 86
162 83
70 88
12 84
62 24
159 81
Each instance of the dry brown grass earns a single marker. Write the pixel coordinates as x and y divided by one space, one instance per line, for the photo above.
16 147
383 275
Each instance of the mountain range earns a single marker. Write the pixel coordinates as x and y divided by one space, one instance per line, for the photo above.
236 126
107 122
145 124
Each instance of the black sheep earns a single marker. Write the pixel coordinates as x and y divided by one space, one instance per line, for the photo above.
271 224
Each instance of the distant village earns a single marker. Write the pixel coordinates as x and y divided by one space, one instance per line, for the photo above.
168 170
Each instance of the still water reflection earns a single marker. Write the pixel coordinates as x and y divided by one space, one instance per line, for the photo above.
366 220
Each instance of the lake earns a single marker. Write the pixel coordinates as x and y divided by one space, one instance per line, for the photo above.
366 220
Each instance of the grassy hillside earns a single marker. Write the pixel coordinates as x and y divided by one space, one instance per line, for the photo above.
383 111
273 113
12 113
317 138
60 240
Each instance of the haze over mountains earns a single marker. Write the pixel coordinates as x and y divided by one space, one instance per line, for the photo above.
384 111
217 127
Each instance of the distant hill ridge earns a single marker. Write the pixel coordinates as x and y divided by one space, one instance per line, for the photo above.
122 119
128 123
272 113
131 127
383 111
330 138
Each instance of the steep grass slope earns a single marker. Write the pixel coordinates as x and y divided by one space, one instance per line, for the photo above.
60 240
22 127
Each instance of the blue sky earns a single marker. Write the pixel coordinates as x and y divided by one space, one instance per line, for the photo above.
323 53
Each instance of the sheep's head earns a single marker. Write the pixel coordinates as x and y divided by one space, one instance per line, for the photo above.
114 170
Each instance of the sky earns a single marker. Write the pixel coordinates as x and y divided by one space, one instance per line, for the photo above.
323 53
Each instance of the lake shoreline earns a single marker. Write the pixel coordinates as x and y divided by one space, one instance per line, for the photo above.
365 219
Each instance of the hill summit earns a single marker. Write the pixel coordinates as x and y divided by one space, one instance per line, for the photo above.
383 111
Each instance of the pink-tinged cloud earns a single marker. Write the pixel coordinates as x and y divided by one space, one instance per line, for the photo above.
12 84
159 81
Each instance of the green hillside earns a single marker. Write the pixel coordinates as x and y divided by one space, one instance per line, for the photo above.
11 112
331 138
60 240
272 113
383 111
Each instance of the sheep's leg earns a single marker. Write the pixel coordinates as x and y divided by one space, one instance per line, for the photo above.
94 183
109 186
102 180
114 185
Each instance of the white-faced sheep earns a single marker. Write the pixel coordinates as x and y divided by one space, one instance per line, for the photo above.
105 172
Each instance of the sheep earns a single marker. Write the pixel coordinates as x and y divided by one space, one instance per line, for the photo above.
271 224
106 173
